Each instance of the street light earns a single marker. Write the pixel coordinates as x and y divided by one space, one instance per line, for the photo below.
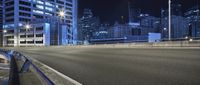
4 31
191 40
186 37
61 14
27 27
169 18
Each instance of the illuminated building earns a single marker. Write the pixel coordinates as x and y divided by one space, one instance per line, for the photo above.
18 13
1 22
193 19
88 25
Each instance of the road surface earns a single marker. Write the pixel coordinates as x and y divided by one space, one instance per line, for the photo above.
123 66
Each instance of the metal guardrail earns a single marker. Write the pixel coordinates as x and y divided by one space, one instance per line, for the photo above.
23 65
27 64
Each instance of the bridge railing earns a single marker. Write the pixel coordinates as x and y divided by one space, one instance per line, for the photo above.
27 66
45 74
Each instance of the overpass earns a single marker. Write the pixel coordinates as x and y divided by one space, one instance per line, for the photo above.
122 64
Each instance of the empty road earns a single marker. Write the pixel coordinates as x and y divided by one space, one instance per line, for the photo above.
122 66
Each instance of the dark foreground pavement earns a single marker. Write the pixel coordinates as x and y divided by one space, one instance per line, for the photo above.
123 66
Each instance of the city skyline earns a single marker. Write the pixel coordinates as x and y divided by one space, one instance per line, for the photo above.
115 9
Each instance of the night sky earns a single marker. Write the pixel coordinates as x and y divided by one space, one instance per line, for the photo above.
110 11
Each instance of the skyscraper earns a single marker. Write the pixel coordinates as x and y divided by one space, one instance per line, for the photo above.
193 19
1 22
176 8
133 14
18 13
88 24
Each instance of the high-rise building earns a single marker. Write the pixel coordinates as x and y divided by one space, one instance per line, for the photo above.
18 13
178 27
150 24
1 22
134 14
88 25
176 8
193 19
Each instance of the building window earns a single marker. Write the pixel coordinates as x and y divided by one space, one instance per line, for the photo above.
24 8
49 9
9 3
39 6
39 35
30 42
10 20
39 28
59 1
49 4
24 14
10 42
10 9
38 11
22 36
10 14
30 36
25 3
22 42
24 20
39 42
38 16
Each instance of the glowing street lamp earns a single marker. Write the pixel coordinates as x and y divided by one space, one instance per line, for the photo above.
61 13
191 40
4 31
27 26
186 37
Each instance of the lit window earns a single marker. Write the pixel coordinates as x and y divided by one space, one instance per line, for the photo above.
40 6
49 9
38 11
40 2
48 14
48 4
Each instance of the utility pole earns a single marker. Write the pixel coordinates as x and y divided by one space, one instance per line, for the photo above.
169 18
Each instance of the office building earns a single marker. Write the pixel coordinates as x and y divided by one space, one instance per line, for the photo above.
193 19
19 13
178 27
1 22
88 25
134 14
176 7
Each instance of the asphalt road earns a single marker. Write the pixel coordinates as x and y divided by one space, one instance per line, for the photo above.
123 66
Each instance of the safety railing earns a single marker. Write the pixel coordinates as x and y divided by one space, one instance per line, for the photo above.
27 63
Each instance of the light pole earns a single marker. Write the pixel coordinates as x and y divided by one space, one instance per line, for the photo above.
4 37
27 27
169 18
61 14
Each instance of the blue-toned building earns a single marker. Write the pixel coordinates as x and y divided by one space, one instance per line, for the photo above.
1 22
193 19
43 15
88 25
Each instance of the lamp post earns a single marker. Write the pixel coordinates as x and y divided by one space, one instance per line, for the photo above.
27 27
61 14
169 18
4 37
